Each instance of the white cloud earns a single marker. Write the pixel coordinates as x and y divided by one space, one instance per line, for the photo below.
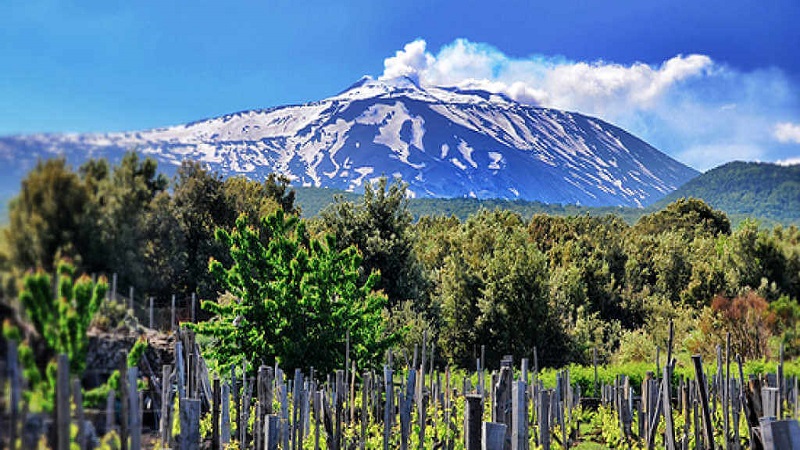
408 62
789 161
788 132
689 106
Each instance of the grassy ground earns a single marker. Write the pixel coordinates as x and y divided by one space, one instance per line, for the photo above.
589 446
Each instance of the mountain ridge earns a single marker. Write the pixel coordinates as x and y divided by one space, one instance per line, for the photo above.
765 191
443 141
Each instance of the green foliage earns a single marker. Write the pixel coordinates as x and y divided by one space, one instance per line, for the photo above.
97 396
48 217
295 299
564 279
11 332
380 227
768 192
494 289
62 320
787 313
120 204
199 207
690 215
111 315
260 199
110 441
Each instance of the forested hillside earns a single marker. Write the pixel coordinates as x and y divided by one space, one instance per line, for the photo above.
565 285
313 200
769 192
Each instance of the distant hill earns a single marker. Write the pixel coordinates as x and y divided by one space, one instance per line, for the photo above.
767 192
313 200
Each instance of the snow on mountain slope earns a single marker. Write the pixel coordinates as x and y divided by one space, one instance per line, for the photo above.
444 142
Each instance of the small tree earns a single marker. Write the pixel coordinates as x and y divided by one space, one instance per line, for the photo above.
748 319
61 318
379 225
293 299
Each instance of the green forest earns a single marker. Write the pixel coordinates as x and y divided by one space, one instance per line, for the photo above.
770 192
282 287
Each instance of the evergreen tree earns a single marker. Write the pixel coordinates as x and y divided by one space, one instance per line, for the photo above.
380 227
61 318
292 299
49 217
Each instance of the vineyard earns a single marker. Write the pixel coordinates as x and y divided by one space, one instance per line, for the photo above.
411 403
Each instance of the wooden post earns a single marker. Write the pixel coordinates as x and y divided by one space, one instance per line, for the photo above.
716 384
130 301
190 423
544 419
225 416
482 377
736 408
271 434
150 316
769 401
365 389
708 427
780 385
726 403
284 390
62 419
194 302
687 413
244 415
338 407
523 370
317 415
124 401
654 411
698 436
389 406
215 445
519 417
135 417
180 370
165 427
406 402
114 287
235 390
172 314
351 402
669 434
594 364
658 359
297 407
669 346
110 399
493 436
258 428
473 416
77 395
261 408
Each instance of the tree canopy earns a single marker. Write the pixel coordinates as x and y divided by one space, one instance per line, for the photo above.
293 299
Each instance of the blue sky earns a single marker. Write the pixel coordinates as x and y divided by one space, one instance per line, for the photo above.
704 81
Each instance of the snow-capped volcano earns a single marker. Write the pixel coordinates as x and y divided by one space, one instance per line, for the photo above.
444 142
